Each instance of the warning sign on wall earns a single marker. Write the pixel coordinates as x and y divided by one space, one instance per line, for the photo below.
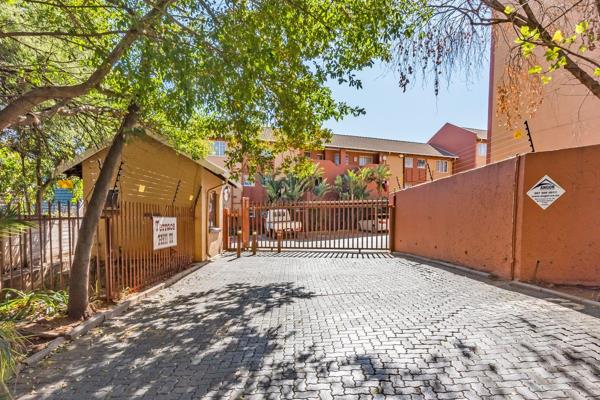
545 192
164 232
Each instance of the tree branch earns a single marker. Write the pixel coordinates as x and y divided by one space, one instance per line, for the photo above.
58 34
25 103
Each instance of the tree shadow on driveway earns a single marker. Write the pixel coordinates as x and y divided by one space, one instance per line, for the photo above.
184 347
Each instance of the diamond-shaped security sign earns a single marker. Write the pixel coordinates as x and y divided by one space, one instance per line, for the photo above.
545 192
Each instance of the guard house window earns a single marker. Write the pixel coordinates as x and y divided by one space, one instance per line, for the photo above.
421 164
364 160
307 154
336 158
408 162
441 166
319 156
482 149
219 148
347 159
212 210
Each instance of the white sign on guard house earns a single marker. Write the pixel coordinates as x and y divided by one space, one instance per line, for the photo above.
545 192
164 232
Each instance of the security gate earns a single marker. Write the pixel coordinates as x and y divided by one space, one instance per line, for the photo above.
331 225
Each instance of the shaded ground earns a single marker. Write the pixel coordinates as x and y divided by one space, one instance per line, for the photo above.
298 325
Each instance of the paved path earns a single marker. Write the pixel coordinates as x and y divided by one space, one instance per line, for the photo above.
322 327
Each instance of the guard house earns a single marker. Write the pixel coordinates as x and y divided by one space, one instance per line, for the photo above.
164 211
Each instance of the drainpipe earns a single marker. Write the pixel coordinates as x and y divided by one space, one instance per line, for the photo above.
514 218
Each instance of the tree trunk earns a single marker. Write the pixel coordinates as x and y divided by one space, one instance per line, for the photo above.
24 104
80 272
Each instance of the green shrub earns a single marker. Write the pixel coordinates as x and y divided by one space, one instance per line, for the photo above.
11 344
18 305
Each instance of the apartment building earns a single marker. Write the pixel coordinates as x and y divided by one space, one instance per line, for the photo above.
410 163
468 144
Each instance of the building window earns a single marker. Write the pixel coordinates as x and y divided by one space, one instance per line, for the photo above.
347 159
319 156
421 164
307 154
213 215
482 149
219 148
364 160
246 181
441 166
336 158
408 162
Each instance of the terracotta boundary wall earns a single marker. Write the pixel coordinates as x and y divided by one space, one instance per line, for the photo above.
483 219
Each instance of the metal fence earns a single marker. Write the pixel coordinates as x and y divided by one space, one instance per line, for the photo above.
334 225
40 256
125 259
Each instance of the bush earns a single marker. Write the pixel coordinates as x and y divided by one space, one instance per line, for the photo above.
18 305
11 343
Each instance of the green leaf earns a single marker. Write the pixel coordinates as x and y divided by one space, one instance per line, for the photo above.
546 79
582 27
537 69
509 9
597 72
558 37
525 30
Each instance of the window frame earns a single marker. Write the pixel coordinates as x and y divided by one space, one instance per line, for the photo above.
421 166
213 206
408 162
439 163
361 158
221 145
480 146
336 158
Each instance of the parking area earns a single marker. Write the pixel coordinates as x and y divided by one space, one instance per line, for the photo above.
329 326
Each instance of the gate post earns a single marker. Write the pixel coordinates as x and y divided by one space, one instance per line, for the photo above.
392 224
226 214
279 239
245 214
239 244
254 242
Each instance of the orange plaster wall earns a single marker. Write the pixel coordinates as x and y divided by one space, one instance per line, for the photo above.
471 219
453 219
562 243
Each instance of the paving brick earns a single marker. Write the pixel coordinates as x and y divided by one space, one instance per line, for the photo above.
309 325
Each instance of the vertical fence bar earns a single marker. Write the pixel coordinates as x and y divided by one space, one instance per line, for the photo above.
51 265
69 235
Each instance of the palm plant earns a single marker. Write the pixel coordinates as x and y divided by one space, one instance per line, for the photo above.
353 184
11 340
321 188
273 186
10 223
294 187
380 175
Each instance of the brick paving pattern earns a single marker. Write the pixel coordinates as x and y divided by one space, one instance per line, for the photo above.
316 326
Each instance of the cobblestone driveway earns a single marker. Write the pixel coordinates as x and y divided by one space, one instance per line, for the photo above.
282 326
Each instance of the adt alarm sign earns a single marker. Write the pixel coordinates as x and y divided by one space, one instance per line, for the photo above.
164 232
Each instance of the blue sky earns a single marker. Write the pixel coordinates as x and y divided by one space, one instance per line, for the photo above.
417 114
